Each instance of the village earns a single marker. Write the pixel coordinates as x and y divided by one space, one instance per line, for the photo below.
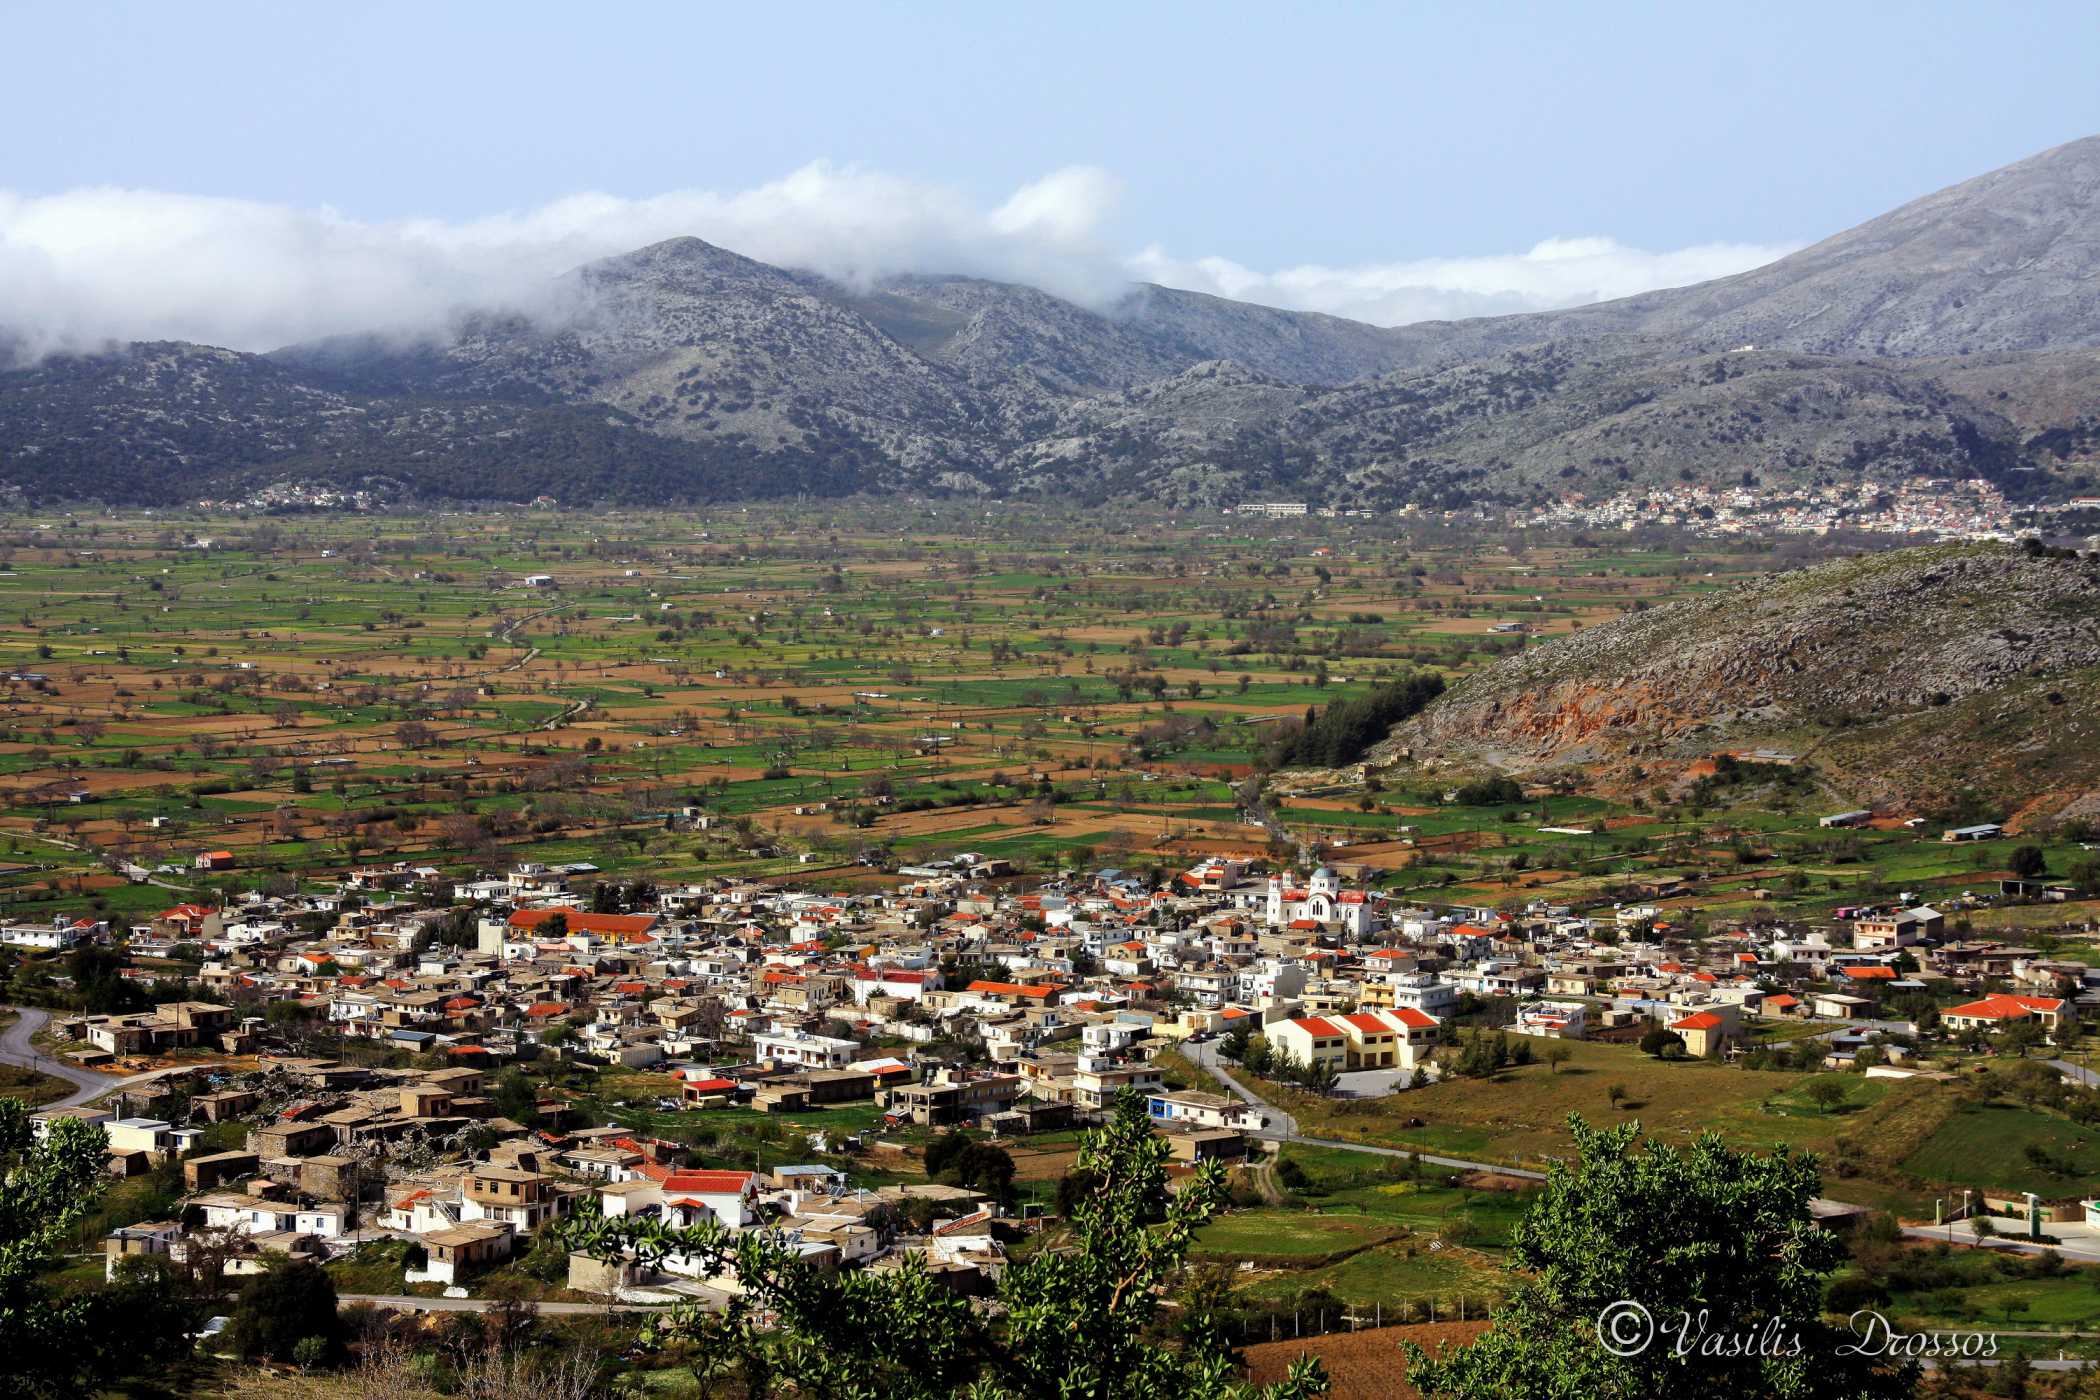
375 1067
1948 510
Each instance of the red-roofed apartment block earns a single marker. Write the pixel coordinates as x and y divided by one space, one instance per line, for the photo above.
1362 1040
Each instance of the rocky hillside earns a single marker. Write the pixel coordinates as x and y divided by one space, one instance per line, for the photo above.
167 423
685 371
691 342
1585 416
1903 675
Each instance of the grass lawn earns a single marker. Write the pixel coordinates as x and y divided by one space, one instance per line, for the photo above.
1177 1071
2010 1148
1404 1239
1933 1284
1860 1092
2069 1301
1338 1182
1865 1141
1391 1276
1277 1234
2046 916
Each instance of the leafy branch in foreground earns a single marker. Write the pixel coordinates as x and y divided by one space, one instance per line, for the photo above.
1720 1250
54 1343
1073 1322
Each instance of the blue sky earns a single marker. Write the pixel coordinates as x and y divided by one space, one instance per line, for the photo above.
1276 151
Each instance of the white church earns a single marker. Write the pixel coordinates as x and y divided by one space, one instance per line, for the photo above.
1322 901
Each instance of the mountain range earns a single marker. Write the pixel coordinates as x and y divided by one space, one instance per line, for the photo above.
1956 336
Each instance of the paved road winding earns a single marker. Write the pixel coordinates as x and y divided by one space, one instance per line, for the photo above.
17 1048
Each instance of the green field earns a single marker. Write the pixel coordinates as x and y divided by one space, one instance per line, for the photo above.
1286 1234
2011 1149
1392 1277
1370 1231
317 691
1518 1118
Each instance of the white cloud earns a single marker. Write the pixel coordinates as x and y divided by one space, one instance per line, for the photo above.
1556 273
93 265
1063 208
88 266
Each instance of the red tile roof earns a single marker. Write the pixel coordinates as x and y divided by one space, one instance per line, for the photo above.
709 1183
1012 989
584 921
2005 1006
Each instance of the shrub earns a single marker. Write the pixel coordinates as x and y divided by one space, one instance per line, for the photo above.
292 1303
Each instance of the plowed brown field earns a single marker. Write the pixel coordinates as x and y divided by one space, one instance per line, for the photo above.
1363 1365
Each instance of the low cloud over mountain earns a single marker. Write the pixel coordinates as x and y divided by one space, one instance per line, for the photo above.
1556 273
87 267
1953 337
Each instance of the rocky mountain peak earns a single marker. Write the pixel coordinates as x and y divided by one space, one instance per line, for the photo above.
1869 363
